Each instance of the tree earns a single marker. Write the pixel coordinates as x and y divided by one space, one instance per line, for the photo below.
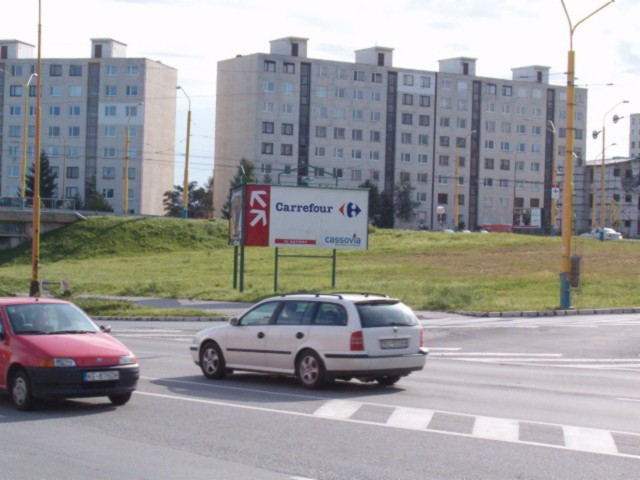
97 203
198 205
244 174
405 205
376 202
48 184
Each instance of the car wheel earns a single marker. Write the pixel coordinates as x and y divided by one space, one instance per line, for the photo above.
388 380
212 361
21 391
120 399
310 370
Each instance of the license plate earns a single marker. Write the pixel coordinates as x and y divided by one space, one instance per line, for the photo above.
391 343
101 376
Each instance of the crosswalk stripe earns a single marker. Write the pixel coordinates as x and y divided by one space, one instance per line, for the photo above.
410 418
497 428
589 440
338 409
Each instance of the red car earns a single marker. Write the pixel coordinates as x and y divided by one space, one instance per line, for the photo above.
52 349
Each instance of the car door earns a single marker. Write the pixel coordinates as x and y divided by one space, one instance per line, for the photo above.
289 330
245 343
5 354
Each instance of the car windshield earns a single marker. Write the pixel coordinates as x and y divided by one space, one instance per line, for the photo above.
385 314
48 318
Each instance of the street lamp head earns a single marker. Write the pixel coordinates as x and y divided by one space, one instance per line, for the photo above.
551 126
617 118
595 134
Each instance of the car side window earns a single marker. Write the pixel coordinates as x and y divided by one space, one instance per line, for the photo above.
295 313
330 314
261 315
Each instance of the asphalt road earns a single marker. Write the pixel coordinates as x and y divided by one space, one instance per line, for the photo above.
526 398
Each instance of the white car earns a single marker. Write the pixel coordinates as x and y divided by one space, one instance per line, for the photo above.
317 338
609 234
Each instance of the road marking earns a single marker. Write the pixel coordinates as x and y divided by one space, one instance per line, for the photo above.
494 354
413 418
628 399
338 409
497 429
589 440
489 428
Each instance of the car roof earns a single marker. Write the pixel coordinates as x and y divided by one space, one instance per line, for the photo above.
346 296
28 300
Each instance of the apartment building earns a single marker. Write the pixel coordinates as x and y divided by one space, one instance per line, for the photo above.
634 135
97 114
325 122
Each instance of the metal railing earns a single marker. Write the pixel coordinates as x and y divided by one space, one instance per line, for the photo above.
20 203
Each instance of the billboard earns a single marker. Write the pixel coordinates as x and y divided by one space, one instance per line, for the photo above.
299 216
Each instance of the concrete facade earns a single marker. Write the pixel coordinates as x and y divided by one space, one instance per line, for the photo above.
301 119
87 107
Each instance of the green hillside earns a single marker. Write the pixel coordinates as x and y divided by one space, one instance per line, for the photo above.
177 258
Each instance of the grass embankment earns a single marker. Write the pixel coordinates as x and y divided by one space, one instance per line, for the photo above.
174 258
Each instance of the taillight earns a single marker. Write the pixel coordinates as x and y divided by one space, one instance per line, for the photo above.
422 338
357 342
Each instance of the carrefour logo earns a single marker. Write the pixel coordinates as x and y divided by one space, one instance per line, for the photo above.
349 210
337 241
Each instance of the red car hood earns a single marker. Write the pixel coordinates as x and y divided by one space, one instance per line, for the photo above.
87 349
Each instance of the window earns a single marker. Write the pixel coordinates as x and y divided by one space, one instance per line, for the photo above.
341 92
74 131
54 111
111 90
321 132
521 110
405 157
423 158
71 192
443 180
15 91
443 199
267 148
321 92
55 91
488 182
286 149
489 163
131 111
376 77
356 154
358 94
321 112
358 75
73 152
15 131
109 152
374 155
288 67
75 70
286 129
287 108
407 119
356 175
132 90
423 139
407 80
375 136
112 70
504 183
443 160
357 115
445 121
505 146
376 96
521 129
407 99
267 107
268 87
75 91
356 134
425 101
506 109
405 177
109 131
110 111
338 133
55 70
491 89
505 164
320 151
489 145
375 116
73 172
423 120
421 178
507 91
133 69
269 66
288 87
107 193
444 141
406 138
337 172
339 113
53 131
338 152
14 171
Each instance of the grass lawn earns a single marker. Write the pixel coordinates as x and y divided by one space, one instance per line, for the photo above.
165 257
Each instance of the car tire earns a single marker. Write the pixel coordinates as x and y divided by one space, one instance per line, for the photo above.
212 361
21 395
310 370
388 380
120 399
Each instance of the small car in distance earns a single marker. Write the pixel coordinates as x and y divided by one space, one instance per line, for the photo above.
606 232
52 349
317 338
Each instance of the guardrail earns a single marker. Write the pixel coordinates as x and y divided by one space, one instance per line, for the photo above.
26 203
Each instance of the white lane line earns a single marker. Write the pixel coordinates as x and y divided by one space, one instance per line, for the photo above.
500 355
628 399
337 409
410 418
497 428
589 440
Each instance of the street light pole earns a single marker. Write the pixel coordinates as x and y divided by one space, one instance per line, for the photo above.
456 201
185 191
34 288
567 211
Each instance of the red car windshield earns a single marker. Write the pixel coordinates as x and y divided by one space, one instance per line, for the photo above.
48 318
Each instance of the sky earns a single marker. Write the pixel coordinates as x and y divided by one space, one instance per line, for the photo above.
193 35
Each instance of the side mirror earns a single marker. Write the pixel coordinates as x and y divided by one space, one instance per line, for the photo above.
234 322
105 329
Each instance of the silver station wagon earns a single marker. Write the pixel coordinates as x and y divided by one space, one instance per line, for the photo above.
318 338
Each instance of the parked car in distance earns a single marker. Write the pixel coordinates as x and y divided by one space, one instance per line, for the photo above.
609 234
317 338
52 349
